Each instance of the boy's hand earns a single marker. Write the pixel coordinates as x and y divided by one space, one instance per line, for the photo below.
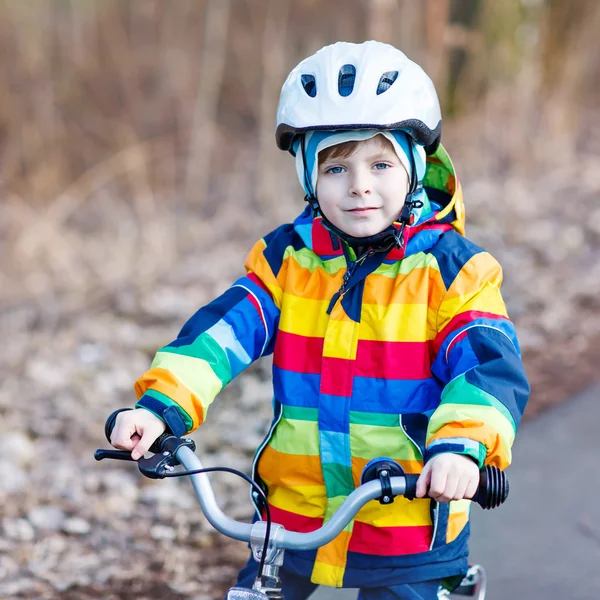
136 430
448 477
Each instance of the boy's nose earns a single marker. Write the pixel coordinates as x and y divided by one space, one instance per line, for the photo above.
360 186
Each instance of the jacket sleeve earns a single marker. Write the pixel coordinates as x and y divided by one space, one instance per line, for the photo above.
478 360
216 344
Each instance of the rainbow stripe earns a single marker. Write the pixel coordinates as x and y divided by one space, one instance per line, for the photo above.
418 357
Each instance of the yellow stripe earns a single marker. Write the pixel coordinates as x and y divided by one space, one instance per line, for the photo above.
195 373
481 269
308 501
341 337
488 299
304 317
324 574
484 424
402 513
397 323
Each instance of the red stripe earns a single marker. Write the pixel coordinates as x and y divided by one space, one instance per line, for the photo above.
293 522
258 307
336 376
298 353
459 321
321 240
253 277
393 360
389 541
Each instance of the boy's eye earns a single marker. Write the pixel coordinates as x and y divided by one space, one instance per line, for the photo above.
335 170
380 166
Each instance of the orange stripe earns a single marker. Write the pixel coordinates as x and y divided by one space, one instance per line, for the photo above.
290 470
315 285
257 263
166 383
456 523
334 553
415 287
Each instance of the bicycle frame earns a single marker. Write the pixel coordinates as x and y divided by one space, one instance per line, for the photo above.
268 587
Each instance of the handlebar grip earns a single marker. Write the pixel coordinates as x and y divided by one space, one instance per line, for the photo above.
491 492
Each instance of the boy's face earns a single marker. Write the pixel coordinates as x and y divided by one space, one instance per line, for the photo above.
363 193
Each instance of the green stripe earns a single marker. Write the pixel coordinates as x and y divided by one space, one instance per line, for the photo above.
420 260
301 413
307 259
333 504
370 442
436 175
464 392
338 479
380 419
206 348
296 437
167 402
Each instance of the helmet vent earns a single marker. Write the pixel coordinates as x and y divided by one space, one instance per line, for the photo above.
346 80
309 83
385 83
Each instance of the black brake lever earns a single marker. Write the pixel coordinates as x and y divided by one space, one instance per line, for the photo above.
162 462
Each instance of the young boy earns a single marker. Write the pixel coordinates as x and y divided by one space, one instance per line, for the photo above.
389 334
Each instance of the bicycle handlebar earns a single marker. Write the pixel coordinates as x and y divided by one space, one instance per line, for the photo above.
171 451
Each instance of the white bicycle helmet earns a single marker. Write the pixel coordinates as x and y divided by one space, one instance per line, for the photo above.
359 86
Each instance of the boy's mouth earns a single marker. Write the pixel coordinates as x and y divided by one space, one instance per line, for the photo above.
363 209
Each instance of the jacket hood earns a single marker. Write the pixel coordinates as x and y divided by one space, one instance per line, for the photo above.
446 211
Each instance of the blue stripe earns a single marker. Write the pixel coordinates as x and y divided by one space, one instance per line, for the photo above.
422 241
333 445
334 413
440 367
501 372
296 389
461 358
452 252
224 335
277 241
391 396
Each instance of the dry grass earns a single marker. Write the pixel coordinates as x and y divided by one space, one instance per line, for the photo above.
136 135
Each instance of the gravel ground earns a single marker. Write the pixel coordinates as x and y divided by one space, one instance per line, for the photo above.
74 528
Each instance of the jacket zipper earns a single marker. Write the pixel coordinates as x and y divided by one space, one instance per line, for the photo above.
348 276
436 513
257 456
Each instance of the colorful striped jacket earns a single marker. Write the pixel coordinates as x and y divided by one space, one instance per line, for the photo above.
415 358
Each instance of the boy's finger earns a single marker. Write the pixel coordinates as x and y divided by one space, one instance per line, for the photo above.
143 445
423 482
437 486
472 487
121 437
